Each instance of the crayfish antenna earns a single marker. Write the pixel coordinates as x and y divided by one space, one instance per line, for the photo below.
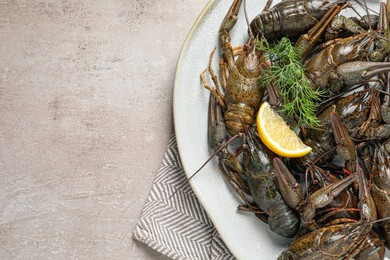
208 160
326 101
247 21
365 6
379 220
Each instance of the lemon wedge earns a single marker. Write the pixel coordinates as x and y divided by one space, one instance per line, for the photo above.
277 135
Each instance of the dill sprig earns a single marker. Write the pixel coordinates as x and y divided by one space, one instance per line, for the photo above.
288 75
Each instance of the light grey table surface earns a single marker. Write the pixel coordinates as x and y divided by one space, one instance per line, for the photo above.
85 117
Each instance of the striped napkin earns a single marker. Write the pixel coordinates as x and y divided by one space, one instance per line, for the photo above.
177 227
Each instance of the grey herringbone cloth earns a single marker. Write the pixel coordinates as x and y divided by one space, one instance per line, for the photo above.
177 227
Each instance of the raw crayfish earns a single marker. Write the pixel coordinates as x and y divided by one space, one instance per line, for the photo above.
274 196
291 18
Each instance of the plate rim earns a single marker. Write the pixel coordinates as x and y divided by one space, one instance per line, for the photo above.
180 144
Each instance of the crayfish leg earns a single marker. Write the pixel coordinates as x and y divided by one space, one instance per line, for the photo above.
213 90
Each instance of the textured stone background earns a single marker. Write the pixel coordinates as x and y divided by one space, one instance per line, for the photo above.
85 115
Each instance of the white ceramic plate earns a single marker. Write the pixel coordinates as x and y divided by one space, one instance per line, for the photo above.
246 236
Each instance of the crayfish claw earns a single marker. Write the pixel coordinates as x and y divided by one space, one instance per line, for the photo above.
216 127
291 190
306 42
359 72
366 202
325 195
345 146
217 134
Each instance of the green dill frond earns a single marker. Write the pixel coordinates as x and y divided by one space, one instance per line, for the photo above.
288 76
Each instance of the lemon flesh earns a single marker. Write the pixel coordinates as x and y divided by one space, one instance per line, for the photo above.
277 135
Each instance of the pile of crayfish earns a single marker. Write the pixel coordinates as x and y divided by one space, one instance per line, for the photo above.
343 210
